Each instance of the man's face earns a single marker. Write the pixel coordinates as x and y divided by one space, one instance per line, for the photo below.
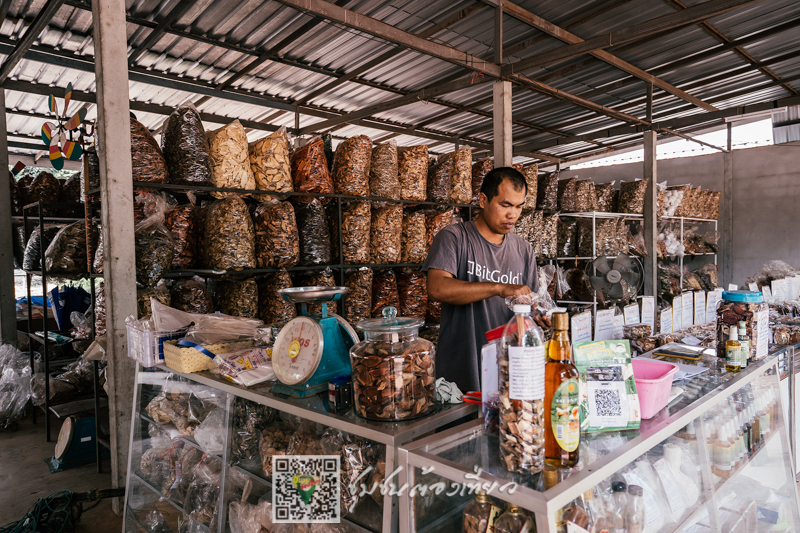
502 212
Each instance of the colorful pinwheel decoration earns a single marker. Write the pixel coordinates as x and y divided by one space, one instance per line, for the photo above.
63 139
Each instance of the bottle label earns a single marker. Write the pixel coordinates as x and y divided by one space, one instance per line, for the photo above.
733 356
494 514
722 457
565 415
744 353
526 372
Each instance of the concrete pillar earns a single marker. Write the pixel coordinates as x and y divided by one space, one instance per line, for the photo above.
116 193
650 214
502 124
8 311
726 216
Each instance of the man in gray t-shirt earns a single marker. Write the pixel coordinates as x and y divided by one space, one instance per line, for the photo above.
472 267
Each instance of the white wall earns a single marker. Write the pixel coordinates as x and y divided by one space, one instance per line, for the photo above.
766 198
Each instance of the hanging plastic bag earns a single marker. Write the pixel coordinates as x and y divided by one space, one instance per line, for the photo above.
412 291
237 298
185 146
315 241
277 239
67 253
412 168
384 291
15 385
271 161
249 418
356 219
191 296
310 171
414 239
216 328
144 309
147 160
229 236
229 159
386 228
273 309
479 171
155 246
210 434
351 164
32 259
384 181
358 300
182 224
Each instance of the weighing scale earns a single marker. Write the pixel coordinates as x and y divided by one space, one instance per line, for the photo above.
76 444
311 350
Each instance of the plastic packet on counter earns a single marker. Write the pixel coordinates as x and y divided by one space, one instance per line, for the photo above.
214 329
246 367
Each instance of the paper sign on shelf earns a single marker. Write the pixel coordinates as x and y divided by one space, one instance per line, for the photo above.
762 321
619 327
665 324
604 325
795 282
649 312
732 287
765 290
582 327
753 286
677 304
687 310
699 307
711 305
631 313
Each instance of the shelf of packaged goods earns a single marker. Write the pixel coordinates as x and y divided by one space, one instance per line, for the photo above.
176 505
257 271
35 219
176 435
59 275
691 219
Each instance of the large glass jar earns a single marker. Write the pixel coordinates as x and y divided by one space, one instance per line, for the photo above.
393 369
747 307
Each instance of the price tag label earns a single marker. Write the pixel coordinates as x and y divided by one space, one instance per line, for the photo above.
687 310
699 307
604 325
711 305
732 287
582 327
649 312
619 327
631 313
795 282
766 291
762 323
753 286
677 305
779 290
665 325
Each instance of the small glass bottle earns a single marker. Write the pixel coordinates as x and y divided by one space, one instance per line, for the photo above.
578 511
744 341
722 453
620 489
634 514
732 349
514 520
562 424
597 514
480 514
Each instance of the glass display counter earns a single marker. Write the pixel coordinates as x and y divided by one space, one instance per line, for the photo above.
716 459
201 453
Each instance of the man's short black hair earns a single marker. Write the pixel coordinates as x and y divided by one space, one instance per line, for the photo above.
492 181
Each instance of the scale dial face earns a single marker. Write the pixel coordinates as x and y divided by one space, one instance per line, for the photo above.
298 351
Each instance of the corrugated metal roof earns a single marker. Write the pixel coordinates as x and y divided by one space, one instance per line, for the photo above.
215 39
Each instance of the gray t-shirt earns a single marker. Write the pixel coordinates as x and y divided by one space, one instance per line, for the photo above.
462 251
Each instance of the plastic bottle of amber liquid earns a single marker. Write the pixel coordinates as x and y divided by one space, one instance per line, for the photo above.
562 424
732 351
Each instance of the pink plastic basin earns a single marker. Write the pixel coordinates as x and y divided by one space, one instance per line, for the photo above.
653 383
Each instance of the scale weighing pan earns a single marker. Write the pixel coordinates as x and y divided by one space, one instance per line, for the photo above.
299 295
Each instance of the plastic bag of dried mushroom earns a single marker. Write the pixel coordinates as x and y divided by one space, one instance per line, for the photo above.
185 148
412 168
45 187
310 170
604 193
547 192
155 245
631 196
191 296
567 195
271 162
351 164
273 309
315 239
548 237
66 254
384 291
182 224
147 160
531 173
229 236
386 230
479 170
356 220
435 221
452 180
237 297
229 159
413 248
567 238
318 278
440 172
384 181
585 196
143 305
277 239
413 293
358 300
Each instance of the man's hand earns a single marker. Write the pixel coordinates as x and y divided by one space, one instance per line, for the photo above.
506 290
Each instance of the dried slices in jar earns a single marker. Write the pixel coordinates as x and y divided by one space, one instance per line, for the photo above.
356 233
358 300
191 296
384 291
273 309
310 170
435 221
237 297
182 224
143 305
185 148
412 168
413 241
384 181
386 228
413 293
351 164
147 160
66 254
631 196
567 194
229 236
271 162
547 192
479 171
315 239
229 159
277 238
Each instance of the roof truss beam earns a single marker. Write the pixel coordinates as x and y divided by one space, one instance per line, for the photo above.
155 34
24 44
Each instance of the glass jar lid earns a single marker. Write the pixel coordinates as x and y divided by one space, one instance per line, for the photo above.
743 296
390 323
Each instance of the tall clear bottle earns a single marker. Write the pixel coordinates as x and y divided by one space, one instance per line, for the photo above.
521 383
635 514
744 348
562 424
620 489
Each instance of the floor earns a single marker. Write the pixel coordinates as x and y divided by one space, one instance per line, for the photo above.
24 477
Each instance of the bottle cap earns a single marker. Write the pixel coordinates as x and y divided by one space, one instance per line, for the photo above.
742 325
513 509
550 477
734 335
482 497
635 490
588 495
619 486
561 321
522 308
690 428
